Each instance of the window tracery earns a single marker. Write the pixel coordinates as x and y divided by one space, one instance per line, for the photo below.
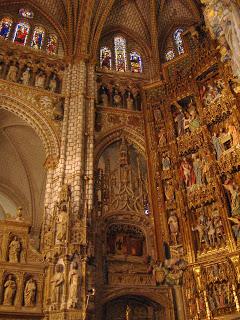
23 28
124 59
26 13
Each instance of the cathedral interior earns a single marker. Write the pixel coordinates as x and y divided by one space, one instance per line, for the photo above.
120 159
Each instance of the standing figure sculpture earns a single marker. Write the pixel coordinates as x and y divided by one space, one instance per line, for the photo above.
12 73
57 282
26 77
53 84
30 293
73 286
10 289
62 222
14 250
40 80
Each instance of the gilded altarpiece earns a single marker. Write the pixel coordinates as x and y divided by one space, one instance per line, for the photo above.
193 138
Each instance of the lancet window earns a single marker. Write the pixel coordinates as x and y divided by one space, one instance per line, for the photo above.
38 37
106 58
21 33
175 45
135 62
120 53
123 59
5 27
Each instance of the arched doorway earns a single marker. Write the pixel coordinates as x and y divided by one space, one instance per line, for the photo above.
131 308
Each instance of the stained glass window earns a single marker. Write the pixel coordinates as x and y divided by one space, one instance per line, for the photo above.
120 53
169 55
25 13
135 62
38 36
5 27
21 33
105 58
52 44
178 40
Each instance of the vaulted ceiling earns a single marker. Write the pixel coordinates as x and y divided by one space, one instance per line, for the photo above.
81 23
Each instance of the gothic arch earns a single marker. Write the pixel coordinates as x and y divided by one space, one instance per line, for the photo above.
114 135
35 120
157 296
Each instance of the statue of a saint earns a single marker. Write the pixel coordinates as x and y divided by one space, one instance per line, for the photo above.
10 289
62 222
12 73
14 250
130 101
30 293
53 84
40 80
57 282
73 286
26 77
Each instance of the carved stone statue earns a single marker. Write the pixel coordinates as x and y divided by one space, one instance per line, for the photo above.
65 193
30 293
53 84
130 101
62 221
57 283
10 288
73 286
40 80
14 250
12 73
26 77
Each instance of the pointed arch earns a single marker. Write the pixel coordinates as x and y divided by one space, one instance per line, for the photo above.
35 120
